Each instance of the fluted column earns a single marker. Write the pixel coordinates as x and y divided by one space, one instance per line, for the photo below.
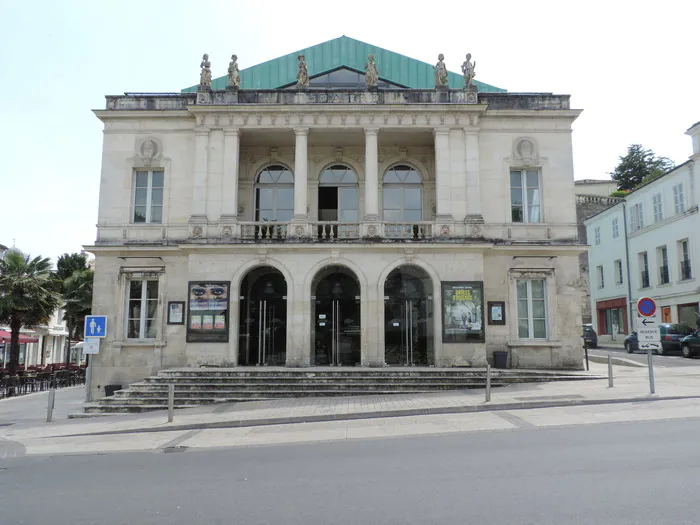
199 183
371 174
229 209
300 174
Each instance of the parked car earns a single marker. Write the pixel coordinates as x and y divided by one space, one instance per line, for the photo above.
671 335
690 344
589 336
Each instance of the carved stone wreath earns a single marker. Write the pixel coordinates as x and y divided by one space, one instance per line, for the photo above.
476 231
445 231
372 231
197 232
299 231
226 231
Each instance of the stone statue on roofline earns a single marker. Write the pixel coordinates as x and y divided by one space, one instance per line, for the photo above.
302 73
440 72
468 72
371 73
205 75
234 77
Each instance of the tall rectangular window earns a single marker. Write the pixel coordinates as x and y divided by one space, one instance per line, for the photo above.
525 198
618 272
662 257
679 199
658 208
636 217
148 196
615 228
644 267
684 256
601 277
532 309
142 310
597 235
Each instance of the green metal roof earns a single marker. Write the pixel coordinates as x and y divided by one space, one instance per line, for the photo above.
344 52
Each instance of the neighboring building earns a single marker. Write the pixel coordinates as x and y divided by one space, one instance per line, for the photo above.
657 229
41 345
336 223
601 188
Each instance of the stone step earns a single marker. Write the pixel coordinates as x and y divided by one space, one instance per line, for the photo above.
459 383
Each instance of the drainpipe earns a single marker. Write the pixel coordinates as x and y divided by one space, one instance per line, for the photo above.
629 280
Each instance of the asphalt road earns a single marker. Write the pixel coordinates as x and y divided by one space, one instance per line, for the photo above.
620 473
673 360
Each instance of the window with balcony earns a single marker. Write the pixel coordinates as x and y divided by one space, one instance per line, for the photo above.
525 196
402 194
684 257
644 273
142 309
636 217
532 309
274 195
662 257
678 199
618 272
601 277
658 208
615 228
148 197
596 234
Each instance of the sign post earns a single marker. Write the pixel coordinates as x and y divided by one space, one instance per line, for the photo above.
648 335
95 329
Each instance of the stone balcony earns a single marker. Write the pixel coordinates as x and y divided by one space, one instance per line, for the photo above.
313 232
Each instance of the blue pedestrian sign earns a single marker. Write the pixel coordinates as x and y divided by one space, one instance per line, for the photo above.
95 326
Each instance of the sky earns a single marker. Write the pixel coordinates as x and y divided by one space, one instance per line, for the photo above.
631 66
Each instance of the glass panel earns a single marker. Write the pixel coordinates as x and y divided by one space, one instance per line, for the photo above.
533 200
533 181
151 326
349 199
412 198
412 215
392 215
157 179
157 214
538 310
141 179
151 309
522 289
134 309
349 177
516 196
537 289
348 216
284 215
140 214
157 196
265 215
523 330
515 179
522 309
266 199
286 177
133 326
265 178
392 198
135 289
539 327
140 197
285 199
412 177
152 290
391 178
517 214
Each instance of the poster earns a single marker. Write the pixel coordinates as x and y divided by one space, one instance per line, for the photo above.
208 304
462 311
176 312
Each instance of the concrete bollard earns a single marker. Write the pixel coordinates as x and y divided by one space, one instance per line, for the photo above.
171 402
488 382
49 409
610 372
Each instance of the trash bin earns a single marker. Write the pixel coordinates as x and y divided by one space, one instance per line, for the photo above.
110 389
500 359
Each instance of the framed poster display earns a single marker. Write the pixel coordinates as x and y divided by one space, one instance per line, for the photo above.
176 312
497 312
208 311
462 311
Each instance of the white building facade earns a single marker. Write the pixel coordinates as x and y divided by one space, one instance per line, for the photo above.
388 226
647 246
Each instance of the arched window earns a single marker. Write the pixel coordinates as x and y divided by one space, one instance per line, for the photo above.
274 194
402 194
338 194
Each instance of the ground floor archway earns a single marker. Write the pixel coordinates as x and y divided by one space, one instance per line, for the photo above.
335 318
262 334
408 318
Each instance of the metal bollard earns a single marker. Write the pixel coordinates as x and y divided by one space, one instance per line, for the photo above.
171 402
610 372
49 409
650 360
488 382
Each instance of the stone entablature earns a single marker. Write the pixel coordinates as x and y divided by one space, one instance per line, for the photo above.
175 101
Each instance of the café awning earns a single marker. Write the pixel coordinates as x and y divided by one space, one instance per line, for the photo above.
23 339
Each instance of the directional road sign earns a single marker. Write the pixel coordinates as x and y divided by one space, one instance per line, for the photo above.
647 322
91 346
95 326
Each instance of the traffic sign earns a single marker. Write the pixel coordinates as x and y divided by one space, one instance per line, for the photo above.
91 346
646 307
95 326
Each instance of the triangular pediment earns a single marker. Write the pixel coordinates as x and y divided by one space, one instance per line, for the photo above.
347 55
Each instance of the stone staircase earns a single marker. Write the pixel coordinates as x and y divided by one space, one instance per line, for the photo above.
200 386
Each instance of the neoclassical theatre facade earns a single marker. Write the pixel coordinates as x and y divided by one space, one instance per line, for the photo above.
344 208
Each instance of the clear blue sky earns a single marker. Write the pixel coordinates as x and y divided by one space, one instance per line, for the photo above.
632 66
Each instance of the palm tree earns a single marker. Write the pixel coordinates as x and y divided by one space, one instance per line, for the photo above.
77 294
27 296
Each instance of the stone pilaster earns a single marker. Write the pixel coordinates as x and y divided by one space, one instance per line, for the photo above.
444 222
229 208
301 161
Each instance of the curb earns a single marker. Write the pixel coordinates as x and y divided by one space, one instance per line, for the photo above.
520 405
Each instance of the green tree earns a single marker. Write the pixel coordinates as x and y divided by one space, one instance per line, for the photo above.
27 296
77 297
638 166
66 266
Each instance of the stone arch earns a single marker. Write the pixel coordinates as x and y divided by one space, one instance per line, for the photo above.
415 163
357 167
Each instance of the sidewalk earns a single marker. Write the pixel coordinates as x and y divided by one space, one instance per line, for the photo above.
631 385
